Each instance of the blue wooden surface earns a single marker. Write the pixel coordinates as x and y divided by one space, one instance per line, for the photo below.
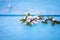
12 29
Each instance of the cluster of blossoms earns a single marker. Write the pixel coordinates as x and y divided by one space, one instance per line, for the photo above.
30 20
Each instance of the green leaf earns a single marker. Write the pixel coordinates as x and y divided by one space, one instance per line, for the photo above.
28 14
44 22
29 24
23 20
53 23
40 17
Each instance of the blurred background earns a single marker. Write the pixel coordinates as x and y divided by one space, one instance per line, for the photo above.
43 7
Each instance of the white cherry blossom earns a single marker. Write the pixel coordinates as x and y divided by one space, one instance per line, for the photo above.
29 18
36 17
35 21
43 20
53 19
